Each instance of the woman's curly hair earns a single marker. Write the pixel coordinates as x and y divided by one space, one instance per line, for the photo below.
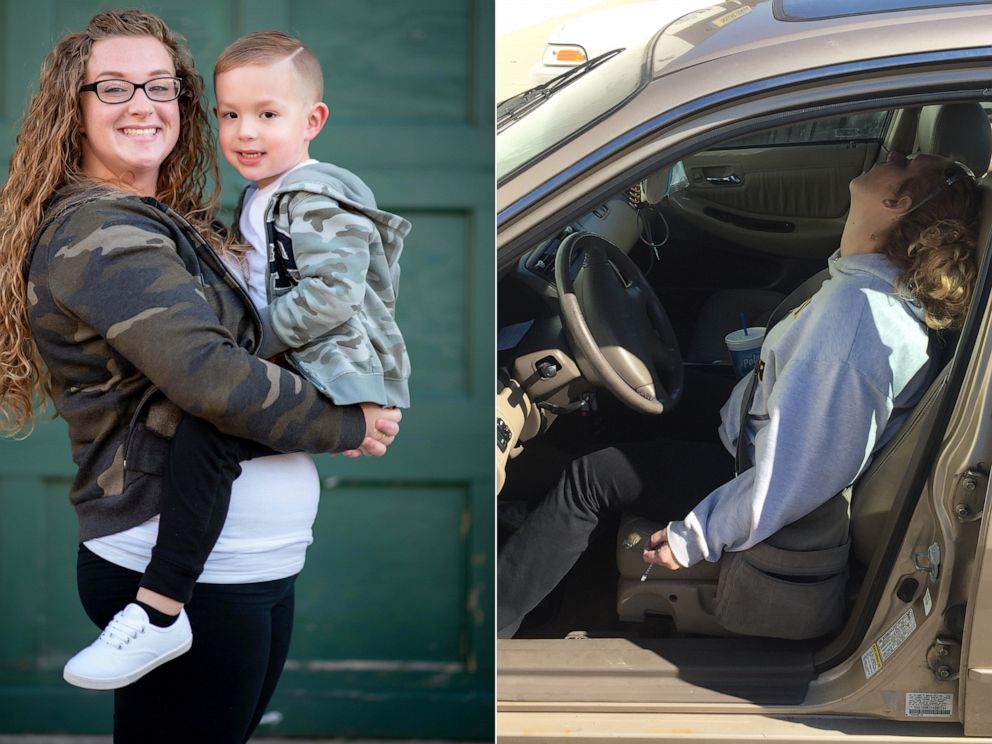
935 245
48 156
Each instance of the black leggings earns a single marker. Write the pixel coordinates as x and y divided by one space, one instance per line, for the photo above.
196 494
217 691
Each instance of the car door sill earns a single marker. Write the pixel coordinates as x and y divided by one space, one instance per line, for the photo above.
671 670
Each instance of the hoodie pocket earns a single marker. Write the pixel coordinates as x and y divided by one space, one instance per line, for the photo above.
146 448
147 452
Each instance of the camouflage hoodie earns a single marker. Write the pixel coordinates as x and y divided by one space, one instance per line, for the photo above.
332 285
137 318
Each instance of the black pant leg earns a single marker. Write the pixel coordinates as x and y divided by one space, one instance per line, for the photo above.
217 691
281 633
241 636
196 495
658 480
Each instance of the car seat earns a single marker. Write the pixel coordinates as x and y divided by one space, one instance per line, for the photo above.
959 131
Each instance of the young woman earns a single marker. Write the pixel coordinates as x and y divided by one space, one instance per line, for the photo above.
837 377
119 307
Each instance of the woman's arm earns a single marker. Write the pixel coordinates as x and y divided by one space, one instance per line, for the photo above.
115 265
824 421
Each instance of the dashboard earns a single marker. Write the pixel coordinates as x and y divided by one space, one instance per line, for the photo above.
538 377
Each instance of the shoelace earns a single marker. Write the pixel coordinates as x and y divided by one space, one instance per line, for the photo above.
120 632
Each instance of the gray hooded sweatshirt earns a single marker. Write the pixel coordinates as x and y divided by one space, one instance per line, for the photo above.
837 378
333 280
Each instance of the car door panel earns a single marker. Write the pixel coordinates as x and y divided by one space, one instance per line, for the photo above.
787 201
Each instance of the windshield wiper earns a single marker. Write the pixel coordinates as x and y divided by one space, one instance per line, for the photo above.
518 106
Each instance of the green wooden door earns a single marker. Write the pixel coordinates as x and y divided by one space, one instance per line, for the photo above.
394 630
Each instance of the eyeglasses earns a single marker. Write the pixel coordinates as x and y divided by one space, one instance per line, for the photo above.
159 89
956 171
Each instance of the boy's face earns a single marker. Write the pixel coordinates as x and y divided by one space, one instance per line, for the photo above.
266 119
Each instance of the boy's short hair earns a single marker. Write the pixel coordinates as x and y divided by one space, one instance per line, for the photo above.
267 47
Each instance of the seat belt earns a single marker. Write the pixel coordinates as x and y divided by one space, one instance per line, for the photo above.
796 298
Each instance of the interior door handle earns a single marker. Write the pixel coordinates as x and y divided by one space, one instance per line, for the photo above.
732 180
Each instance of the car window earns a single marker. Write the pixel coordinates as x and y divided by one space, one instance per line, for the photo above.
851 127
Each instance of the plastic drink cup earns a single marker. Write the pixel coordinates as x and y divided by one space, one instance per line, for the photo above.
744 349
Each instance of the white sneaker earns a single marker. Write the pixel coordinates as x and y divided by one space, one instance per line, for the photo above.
128 648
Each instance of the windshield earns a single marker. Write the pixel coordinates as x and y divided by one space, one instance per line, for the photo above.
515 108
572 108
595 94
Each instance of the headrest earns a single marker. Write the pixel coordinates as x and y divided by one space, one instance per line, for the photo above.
959 131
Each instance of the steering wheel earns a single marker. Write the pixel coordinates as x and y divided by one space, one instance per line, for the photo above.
616 325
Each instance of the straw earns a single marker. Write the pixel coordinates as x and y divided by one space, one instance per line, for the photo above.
743 322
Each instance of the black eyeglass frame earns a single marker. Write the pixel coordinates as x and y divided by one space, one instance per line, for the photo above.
93 88
953 173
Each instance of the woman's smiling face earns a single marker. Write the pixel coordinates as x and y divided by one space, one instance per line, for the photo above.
126 143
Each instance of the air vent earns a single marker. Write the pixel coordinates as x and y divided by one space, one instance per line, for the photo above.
542 262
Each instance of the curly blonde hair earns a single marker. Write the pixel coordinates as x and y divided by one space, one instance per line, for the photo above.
48 157
935 246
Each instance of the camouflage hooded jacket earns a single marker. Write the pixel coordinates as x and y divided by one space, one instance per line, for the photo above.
137 318
332 284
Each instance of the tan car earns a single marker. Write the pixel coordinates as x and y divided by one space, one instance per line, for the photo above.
716 158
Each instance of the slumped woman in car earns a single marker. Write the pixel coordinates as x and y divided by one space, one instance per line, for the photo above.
837 377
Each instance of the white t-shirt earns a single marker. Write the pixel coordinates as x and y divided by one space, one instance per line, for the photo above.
273 501
265 536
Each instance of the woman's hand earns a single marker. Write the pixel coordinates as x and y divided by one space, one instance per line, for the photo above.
660 552
381 427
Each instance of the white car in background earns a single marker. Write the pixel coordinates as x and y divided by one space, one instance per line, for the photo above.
586 37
